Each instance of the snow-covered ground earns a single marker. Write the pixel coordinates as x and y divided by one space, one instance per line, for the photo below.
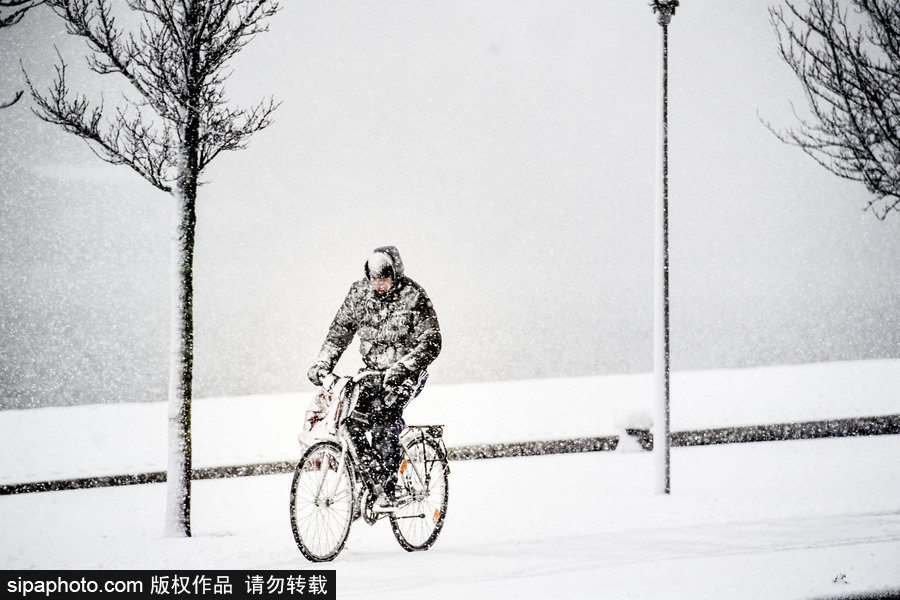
801 519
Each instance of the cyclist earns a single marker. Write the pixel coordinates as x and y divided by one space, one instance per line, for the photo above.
399 336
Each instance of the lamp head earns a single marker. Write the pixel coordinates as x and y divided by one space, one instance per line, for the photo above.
664 10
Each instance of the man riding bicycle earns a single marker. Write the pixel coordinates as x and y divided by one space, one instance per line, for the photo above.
399 336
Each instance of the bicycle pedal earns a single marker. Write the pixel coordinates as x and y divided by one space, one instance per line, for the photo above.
366 506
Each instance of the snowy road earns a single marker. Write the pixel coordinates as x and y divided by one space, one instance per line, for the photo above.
724 533
776 520
802 519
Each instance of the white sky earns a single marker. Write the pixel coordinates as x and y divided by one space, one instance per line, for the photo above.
507 149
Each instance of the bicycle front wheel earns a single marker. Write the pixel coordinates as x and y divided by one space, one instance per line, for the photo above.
422 491
321 502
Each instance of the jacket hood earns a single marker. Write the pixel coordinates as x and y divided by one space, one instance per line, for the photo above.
382 255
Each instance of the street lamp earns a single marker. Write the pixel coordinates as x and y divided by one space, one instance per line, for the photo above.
664 10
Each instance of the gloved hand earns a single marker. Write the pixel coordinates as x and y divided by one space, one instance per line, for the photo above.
394 376
317 373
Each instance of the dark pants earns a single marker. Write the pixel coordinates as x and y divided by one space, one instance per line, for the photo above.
380 414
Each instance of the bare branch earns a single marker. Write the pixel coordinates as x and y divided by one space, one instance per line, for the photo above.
111 51
12 11
126 142
226 129
175 62
227 35
13 101
848 63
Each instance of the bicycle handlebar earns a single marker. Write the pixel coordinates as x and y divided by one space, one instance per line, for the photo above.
363 374
330 379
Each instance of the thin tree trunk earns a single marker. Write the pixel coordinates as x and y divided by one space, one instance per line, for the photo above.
180 394
178 510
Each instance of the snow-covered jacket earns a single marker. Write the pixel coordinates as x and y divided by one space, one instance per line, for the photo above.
399 326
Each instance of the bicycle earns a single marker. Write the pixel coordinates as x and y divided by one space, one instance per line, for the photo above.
328 493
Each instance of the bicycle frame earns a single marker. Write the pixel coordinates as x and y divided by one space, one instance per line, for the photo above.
348 396
326 500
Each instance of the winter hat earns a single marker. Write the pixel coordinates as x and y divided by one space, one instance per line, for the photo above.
379 266
384 262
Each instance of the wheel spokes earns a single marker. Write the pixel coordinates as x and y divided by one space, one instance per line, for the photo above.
423 482
322 504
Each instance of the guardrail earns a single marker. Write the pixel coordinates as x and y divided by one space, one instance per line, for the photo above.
831 428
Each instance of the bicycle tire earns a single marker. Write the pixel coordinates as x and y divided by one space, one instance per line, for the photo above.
321 502
420 516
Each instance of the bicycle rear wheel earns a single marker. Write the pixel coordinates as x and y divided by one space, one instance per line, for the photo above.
321 502
422 491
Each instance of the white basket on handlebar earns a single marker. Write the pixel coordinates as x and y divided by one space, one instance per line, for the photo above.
320 419
329 407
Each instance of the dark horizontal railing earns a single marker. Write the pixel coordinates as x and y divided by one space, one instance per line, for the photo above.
832 428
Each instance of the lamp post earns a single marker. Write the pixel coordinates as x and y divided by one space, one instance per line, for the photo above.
664 10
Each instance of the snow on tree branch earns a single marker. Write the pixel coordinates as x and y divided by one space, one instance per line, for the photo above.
847 60
175 62
124 140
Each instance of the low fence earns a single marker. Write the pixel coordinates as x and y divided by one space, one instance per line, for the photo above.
832 428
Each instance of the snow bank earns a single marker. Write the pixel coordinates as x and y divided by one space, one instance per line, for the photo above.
114 439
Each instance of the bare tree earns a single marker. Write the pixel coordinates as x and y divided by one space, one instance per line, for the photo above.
179 122
846 54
